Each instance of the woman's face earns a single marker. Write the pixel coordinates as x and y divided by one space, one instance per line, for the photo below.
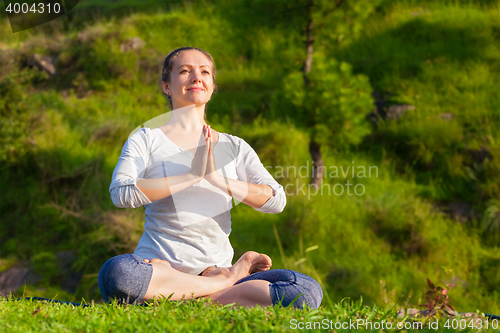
191 80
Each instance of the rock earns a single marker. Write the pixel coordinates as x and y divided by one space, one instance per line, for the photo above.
412 313
83 37
415 313
15 277
65 93
132 44
397 110
43 63
461 211
447 116
478 156
21 274
393 112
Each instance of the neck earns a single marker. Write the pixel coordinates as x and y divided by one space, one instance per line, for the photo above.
189 117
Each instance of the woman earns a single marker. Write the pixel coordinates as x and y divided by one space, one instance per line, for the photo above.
186 175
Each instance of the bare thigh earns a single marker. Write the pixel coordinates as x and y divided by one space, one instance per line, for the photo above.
247 294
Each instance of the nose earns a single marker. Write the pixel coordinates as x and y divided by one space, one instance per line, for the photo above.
196 76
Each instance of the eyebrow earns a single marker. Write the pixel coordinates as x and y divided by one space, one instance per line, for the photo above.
192 66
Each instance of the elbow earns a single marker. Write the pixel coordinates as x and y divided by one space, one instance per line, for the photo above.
281 206
119 198
274 205
118 202
280 201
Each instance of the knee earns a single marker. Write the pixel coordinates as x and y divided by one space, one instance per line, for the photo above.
314 293
122 278
110 275
296 289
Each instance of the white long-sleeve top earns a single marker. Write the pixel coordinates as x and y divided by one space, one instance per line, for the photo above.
190 229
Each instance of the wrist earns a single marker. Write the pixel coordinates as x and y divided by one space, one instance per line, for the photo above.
215 179
193 179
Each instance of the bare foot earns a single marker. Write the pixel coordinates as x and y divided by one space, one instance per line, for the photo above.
250 262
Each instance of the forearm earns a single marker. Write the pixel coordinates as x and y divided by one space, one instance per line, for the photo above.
254 195
160 188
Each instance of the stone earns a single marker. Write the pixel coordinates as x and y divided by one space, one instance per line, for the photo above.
447 116
479 155
412 313
83 37
396 111
415 313
21 274
43 63
15 277
461 211
132 44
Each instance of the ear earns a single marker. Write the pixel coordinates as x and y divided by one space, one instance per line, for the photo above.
165 87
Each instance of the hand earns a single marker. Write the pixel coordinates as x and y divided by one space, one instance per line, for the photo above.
199 163
211 174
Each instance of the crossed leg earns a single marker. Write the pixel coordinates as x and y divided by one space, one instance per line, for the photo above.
129 279
166 280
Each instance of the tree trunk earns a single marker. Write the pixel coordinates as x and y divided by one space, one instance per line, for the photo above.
309 42
318 163
314 147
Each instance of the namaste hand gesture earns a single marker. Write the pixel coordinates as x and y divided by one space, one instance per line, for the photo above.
203 164
211 174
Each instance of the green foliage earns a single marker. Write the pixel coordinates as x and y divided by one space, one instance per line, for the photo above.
45 264
335 104
16 116
279 145
434 72
340 22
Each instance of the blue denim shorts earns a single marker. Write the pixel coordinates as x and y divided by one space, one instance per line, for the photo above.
290 288
125 278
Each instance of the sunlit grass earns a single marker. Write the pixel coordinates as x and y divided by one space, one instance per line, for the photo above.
381 245
202 316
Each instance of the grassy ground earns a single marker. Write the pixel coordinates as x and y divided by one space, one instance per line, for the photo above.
61 139
201 316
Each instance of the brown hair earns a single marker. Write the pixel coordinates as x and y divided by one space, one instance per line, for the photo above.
168 65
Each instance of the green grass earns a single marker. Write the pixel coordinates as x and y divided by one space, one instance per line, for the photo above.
202 316
61 139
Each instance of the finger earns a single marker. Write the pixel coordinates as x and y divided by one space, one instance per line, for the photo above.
146 261
210 143
207 148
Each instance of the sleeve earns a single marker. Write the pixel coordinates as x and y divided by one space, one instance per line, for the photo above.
251 170
130 168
